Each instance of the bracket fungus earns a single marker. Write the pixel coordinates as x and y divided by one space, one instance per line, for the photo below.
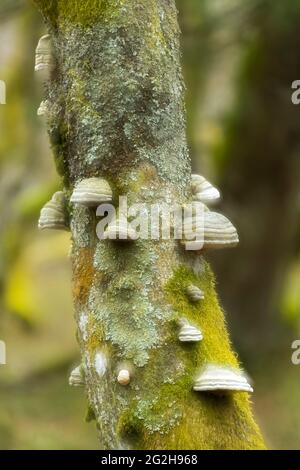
91 192
189 333
43 54
215 230
204 191
54 214
124 377
219 232
221 380
77 378
193 233
43 109
194 293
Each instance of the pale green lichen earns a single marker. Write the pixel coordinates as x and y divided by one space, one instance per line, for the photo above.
82 225
119 103
130 319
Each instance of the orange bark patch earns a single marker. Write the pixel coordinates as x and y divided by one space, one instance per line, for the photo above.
83 275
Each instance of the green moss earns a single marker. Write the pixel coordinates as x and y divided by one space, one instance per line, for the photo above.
208 422
90 415
207 315
58 140
89 11
170 415
48 8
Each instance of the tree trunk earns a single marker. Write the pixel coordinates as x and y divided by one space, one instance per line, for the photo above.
117 111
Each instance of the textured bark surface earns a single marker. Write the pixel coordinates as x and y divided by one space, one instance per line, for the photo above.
117 111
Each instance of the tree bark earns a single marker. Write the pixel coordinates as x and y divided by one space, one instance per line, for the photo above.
117 111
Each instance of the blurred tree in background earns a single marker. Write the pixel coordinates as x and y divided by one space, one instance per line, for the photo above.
240 58
258 168
244 132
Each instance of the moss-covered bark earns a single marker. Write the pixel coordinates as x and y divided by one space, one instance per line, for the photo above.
117 111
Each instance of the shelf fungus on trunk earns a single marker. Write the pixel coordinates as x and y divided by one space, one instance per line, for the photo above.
221 380
77 378
194 293
54 214
43 55
43 109
123 377
219 232
91 192
210 231
189 333
204 191
120 230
